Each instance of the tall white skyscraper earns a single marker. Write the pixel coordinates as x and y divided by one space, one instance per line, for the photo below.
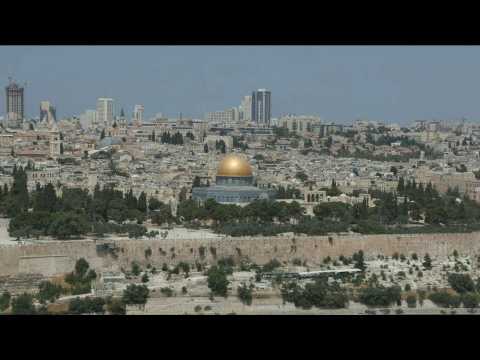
261 107
138 114
246 108
105 112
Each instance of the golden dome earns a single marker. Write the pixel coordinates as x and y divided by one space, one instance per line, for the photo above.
234 165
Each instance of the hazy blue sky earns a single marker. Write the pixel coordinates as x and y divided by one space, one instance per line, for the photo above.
338 83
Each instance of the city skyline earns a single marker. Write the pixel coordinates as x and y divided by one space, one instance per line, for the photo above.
338 83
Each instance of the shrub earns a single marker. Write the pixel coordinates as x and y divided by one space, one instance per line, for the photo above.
81 278
358 258
227 265
461 283
145 278
445 299
271 265
320 294
135 269
87 305
408 287
244 293
421 296
5 301
380 295
116 307
213 251
344 260
48 292
427 262
135 295
470 300
217 281
201 251
197 308
411 301
184 290
168 292
414 256
382 274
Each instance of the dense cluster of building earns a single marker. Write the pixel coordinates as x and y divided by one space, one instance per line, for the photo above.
164 156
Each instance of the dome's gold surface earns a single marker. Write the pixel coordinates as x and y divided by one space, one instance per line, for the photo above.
234 165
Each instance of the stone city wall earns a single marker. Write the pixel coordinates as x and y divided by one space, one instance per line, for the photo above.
17 259
259 249
48 265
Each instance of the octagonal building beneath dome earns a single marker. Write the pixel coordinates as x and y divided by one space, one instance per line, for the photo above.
234 183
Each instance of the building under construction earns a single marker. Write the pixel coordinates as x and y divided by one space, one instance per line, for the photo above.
15 104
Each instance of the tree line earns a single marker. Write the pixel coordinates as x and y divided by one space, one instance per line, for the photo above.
175 139
76 212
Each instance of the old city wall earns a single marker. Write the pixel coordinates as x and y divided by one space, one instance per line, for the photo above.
260 250
313 249
46 258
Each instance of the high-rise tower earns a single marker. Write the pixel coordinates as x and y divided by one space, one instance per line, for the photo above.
105 112
246 109
15 105
261 107
138 115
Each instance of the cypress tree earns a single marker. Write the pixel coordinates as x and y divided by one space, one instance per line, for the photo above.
401 185
142 202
